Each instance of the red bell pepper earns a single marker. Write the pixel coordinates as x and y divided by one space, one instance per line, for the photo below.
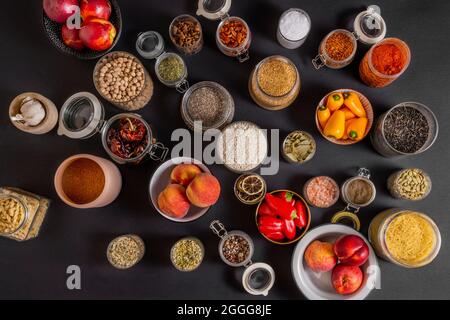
289 229
265 210
276 236
287 196
269 223
283 208
302 218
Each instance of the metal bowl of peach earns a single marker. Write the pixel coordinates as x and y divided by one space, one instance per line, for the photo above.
344 116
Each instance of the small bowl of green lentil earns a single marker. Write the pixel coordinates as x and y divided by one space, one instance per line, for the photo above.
187 254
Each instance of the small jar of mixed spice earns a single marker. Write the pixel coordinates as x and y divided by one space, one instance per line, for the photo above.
409 184
337 50
233 36
236 249
274 83
21 213
186 34
125 251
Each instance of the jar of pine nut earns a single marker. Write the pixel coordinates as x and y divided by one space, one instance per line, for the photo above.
21 213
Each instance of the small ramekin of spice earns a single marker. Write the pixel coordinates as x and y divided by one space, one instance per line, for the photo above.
337 50
274 84
298 147
409 184
233 38
122 80
187 254
250 188
207 104
408 128
321 192
359 191
125 251
186 34
407 238
242 146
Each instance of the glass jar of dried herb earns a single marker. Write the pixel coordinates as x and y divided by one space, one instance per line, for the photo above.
21 213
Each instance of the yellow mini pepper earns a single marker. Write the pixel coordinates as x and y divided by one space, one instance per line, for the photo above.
335 127
356 128
348 114
323 114
334 101
351 101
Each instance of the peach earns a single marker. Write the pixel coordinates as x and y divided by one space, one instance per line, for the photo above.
346 279
71 38
97 34
173 201
351 250
184 174
204 190
320 257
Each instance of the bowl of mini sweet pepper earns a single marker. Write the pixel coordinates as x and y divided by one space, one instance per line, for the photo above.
344 117
283 217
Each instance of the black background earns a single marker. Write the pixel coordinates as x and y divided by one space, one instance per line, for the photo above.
36 269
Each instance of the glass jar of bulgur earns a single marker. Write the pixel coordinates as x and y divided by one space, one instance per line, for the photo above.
407 238
21 213
274 83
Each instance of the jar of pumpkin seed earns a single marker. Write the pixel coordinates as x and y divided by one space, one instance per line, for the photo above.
298 147
409 184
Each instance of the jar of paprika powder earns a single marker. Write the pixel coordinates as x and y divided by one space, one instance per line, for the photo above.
384 63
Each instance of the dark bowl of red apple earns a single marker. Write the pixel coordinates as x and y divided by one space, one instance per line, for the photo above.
283 217
85 29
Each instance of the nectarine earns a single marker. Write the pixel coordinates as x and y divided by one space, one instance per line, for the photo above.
95 9
59 10
71 38
97 34
351 250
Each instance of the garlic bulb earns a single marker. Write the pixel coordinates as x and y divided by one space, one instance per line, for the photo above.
32 112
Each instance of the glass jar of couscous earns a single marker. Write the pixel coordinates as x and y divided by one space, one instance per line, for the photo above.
407 238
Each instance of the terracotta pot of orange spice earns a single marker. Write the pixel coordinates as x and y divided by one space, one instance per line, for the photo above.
85 181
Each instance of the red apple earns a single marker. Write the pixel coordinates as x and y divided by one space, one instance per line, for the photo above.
96 9
346 279
59 10
71 38
351 250
97 34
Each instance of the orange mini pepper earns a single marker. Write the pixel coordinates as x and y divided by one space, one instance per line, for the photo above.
323 114
335 126
348 113
356 128
351 101
334 101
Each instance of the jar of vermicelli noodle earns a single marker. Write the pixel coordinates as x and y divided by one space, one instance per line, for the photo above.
385 62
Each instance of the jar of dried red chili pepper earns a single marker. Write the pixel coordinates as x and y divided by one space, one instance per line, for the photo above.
233 36
126 137
384 62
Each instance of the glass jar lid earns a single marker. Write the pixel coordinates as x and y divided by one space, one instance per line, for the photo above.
369 25
81 116
150 44
258 279
360 195
213 9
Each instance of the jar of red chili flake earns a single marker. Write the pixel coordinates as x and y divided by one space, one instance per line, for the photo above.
233 36
337 50
384 62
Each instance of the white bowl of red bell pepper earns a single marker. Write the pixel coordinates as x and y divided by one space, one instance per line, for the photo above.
283 217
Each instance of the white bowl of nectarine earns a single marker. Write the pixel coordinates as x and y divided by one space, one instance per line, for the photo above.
335 262
183 189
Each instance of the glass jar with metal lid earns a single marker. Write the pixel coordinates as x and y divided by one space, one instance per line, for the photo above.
274 83
24 213
369 28
189 38
216 112
122 79
150 45
357 192
82 116
218 10
258 278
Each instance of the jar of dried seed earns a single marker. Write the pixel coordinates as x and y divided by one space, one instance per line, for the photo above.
125 251
21 213
409 184
187 254
186 34
274 84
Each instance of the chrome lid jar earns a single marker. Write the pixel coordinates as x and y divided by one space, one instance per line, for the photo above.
337 50
236 249
274 83
170 68
233 35
293 28
82 116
